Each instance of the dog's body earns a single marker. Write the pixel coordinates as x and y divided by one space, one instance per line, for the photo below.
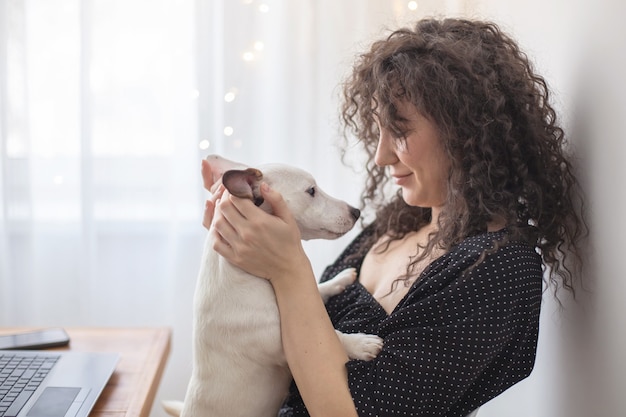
239 367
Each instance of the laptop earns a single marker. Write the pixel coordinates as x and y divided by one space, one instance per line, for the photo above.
37 383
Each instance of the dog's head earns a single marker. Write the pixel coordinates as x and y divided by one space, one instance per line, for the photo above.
318 215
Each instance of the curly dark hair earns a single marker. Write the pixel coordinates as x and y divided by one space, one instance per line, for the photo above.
508 155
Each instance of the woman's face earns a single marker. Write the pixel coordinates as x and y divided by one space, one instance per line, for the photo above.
417 163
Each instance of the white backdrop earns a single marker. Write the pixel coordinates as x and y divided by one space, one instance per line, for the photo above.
107 107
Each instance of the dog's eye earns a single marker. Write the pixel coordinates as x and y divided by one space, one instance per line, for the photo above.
311 191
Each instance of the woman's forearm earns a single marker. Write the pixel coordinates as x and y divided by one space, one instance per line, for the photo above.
316 357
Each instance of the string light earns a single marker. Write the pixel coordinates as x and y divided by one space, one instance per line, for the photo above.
229 97
412 5
247 56
204 144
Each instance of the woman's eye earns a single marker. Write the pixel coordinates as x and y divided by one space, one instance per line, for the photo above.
311 191
401 144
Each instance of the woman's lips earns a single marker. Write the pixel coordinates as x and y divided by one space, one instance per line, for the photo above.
401 178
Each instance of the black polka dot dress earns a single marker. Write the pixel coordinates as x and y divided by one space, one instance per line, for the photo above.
453 343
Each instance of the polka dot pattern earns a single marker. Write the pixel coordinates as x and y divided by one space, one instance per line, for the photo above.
453 343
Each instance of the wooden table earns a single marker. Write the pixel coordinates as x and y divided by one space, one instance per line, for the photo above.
143 353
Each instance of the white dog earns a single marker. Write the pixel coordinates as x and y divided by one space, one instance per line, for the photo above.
239 367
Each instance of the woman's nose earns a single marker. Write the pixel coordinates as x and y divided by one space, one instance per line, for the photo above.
385 149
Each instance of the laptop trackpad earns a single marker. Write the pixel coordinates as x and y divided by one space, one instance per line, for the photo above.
54 402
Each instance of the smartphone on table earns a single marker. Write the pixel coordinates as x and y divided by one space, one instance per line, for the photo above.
35 339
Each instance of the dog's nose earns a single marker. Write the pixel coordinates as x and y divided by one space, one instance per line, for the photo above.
355 212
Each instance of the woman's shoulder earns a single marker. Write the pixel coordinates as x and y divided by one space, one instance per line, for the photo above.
498 242
494 255
486 256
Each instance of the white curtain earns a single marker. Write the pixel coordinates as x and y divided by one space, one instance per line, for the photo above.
98 142
106 109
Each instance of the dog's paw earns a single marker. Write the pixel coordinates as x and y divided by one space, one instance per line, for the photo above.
173 408
337 284
360 345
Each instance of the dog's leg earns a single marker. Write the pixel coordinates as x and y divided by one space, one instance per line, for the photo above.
357 345
337 284
360 345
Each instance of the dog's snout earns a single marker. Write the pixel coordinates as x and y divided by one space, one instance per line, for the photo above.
355 212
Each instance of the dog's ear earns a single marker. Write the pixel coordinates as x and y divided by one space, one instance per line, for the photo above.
244 184
214 167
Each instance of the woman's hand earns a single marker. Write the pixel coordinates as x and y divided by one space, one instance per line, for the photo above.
216 190
209 207
265 245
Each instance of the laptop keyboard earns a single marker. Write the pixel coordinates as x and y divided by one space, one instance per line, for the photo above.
20 375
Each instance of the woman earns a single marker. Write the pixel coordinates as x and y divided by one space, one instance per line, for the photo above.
450 270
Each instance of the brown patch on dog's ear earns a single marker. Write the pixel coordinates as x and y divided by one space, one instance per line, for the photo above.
213 167
244 184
